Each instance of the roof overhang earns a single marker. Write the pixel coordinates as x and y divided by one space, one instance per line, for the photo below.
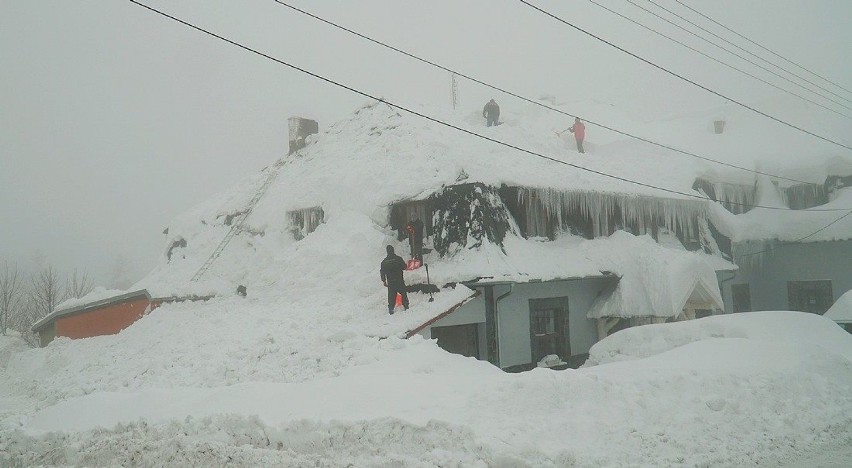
480 282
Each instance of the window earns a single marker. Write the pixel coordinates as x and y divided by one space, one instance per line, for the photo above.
741 294
549 328
810 296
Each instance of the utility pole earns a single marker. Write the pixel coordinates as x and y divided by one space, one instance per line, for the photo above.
454 85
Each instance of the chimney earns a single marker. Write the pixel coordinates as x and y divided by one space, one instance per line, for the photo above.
300 128
719 126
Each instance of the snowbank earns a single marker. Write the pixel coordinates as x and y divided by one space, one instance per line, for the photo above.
670 394
801 329
841 311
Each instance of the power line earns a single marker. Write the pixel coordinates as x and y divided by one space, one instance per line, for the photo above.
797 240
719 61
510 93
737 55
441 122
764 48
749 52
692 82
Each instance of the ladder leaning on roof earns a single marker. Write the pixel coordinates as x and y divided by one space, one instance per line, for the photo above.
237 225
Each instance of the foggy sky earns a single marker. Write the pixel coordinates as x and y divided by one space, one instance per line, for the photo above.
114 120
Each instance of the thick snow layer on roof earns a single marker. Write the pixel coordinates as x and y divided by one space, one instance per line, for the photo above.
655 281
97 294
356 168
237 379
841 311
788 225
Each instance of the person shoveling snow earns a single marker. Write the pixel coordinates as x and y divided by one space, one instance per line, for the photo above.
391 273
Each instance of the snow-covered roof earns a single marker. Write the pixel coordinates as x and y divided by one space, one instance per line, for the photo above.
841 311
356 168
784 224
93 300
658 282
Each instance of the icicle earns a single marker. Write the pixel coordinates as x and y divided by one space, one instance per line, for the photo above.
803 196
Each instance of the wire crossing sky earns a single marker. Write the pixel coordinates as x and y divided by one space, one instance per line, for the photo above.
454 127
764 48
526 99
739 103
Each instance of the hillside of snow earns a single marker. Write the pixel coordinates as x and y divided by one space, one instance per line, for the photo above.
233 382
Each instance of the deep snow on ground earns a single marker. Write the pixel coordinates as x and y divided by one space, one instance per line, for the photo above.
763 387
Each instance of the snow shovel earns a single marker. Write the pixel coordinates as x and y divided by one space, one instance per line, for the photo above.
429 283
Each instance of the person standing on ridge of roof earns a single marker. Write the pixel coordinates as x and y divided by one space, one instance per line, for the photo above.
491 112
391 273
414 228
579 131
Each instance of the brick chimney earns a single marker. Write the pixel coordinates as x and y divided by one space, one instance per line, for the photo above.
300 128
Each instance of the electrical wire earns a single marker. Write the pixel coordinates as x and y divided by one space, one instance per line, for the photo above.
762 47
441 122
735 54
718 60
676 75
525 99
750 53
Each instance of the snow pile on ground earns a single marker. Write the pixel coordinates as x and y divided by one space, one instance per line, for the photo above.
790 329
670 394
841 311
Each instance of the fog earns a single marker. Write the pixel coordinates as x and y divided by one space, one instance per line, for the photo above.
113 120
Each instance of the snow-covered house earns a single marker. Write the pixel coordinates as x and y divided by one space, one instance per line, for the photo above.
786 262
531 260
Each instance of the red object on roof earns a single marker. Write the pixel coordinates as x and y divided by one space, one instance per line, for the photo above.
413 264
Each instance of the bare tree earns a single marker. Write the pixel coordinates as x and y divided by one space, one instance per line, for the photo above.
46 292
78 285
10 294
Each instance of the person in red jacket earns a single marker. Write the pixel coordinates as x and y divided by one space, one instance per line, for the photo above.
579 131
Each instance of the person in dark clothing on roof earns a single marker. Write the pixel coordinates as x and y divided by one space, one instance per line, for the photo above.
391 273
491 112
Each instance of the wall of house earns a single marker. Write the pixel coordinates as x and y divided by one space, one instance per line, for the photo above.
47 334
793 262
513 313
107 320
471 312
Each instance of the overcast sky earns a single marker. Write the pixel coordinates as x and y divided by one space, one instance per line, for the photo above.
114 120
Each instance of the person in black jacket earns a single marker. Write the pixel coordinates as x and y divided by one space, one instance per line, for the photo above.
391 272
491 112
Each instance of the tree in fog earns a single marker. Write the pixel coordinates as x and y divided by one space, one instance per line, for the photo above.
10 294
77 285
120 273
45 292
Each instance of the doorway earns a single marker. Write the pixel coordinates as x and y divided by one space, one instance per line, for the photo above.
549 331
